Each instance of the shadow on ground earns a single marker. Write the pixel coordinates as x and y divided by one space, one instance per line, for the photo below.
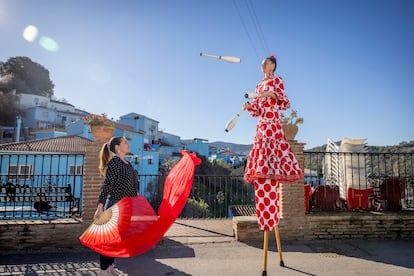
393 252
82 261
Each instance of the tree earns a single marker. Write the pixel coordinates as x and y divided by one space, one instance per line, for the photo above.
9 109
27 77
217 167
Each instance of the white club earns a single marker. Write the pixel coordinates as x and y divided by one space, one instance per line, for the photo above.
230 124
230 59
251 95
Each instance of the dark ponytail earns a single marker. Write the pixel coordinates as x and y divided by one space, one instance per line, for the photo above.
105 153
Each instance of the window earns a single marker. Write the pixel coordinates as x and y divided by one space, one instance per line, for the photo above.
20 172
76 169
150 162
45 114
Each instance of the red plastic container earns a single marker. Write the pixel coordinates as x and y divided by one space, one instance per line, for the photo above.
358 199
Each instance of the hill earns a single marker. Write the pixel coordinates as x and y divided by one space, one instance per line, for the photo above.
238 148
407 147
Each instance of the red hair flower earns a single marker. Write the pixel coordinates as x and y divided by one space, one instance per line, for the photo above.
272 57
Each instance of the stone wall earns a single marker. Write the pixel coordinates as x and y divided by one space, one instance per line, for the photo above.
372 225
92 182
339 225
296 225
38 235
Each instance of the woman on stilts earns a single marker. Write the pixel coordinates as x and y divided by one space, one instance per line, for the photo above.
271 159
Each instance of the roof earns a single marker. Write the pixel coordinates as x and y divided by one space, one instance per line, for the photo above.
60 102
227 152
66 144
124 127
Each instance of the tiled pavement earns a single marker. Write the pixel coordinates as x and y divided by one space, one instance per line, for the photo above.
82 261
207 247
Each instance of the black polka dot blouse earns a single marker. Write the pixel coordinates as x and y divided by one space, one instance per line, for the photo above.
121 180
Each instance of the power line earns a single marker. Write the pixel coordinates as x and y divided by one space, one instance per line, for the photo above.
245 29
257 26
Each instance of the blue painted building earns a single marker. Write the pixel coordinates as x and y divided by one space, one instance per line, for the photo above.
198 145
143 124
43 113
144 160
170 146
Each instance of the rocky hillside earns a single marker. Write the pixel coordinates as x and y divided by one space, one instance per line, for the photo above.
238 148
241 148
401 147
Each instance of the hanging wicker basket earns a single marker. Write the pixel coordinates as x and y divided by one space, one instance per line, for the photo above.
290 131
102 133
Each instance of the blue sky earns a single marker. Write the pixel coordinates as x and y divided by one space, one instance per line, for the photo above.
347 65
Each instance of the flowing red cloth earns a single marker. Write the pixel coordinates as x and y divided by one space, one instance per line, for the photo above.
145 228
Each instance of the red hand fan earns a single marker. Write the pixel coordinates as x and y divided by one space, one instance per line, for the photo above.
132 227
113 222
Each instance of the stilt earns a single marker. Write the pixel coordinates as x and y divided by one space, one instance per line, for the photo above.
265 243
279 246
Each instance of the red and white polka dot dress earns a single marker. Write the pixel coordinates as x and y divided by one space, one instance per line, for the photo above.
271 159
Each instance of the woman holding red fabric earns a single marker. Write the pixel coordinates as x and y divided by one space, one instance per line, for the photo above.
271 159
121 180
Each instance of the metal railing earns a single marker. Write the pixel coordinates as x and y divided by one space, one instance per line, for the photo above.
369 181
40 186
211 195
49 186
348 181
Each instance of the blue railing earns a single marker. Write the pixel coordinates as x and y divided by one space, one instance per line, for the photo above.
40 186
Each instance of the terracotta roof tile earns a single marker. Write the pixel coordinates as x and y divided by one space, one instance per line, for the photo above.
67 144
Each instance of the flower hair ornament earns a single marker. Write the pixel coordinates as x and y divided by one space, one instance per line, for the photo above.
272 57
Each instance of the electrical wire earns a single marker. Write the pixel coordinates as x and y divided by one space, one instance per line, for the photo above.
245 29
257 26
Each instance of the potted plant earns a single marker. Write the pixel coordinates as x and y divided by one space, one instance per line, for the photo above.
101 127
289 124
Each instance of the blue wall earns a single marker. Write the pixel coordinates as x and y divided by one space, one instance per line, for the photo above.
49 134
199 146
48 170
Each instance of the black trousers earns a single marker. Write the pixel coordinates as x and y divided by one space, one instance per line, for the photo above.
105 261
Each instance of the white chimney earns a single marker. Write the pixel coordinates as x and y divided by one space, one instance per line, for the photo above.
18 128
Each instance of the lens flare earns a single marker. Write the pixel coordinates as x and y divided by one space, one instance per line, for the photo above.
49 44
30 33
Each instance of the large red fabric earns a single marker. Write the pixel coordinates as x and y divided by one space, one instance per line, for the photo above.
146 228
